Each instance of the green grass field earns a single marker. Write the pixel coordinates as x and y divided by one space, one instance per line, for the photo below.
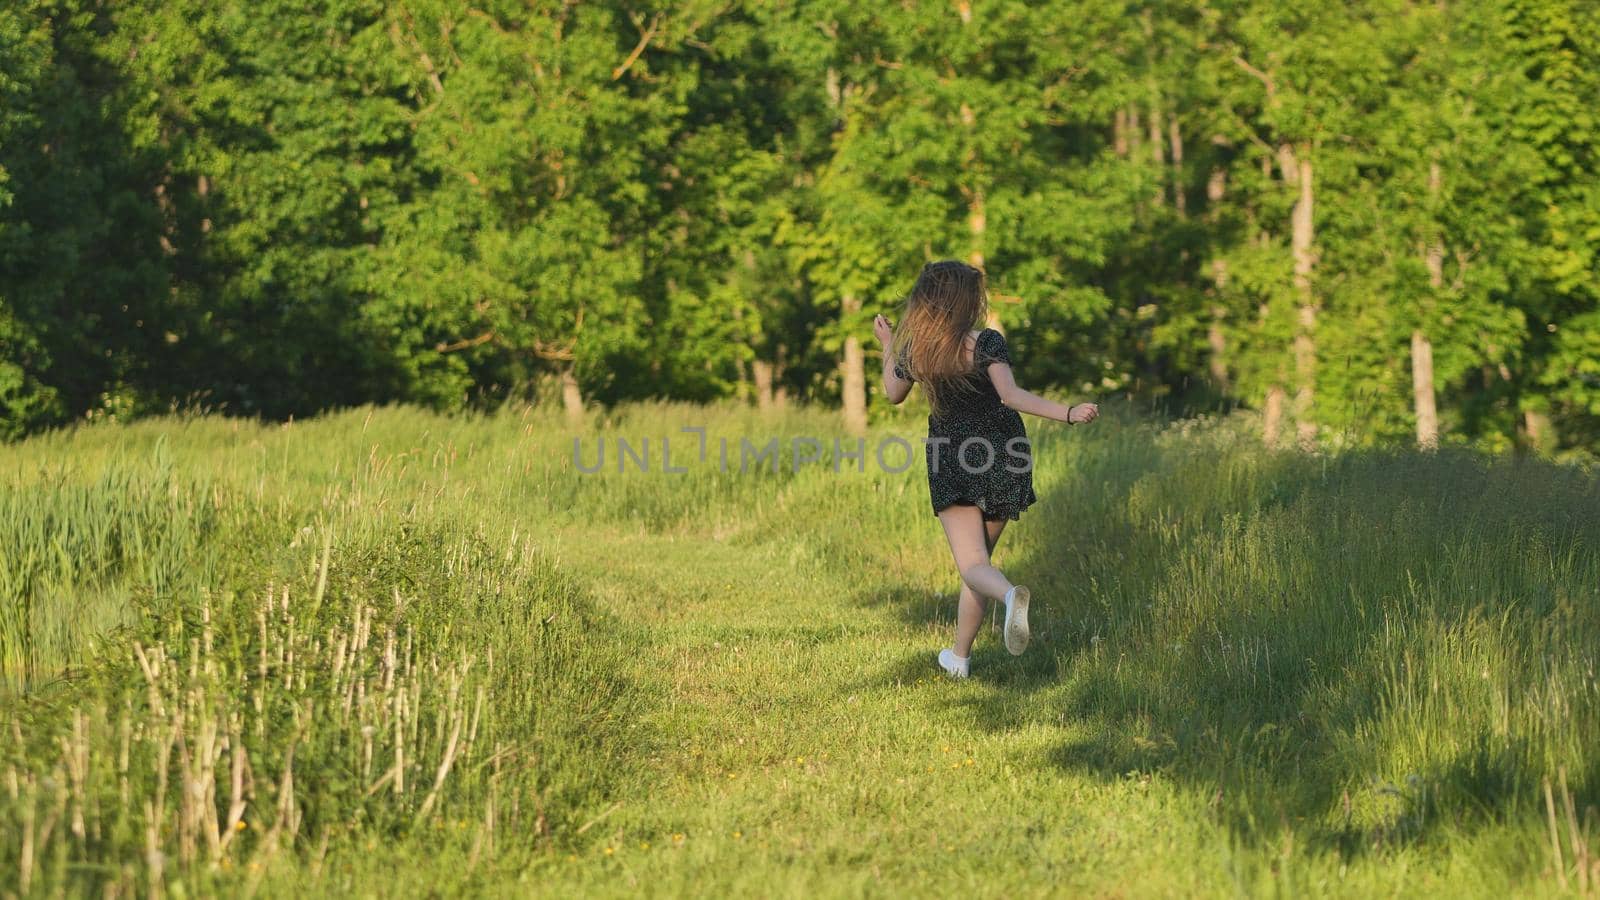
386 652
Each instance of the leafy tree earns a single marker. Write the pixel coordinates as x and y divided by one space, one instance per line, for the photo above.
81 315
1371 222
24 59
1554 46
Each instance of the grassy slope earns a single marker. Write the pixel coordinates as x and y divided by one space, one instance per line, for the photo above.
1252 673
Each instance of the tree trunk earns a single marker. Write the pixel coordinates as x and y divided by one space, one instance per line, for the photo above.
1216 186
761 370
1421 348
1541 434
978 223
1272 417
1298 172
1158 147
1422 389
203 188
571 395
977 213
1119 133
1216 340
852 367
1175 137
855 374
780 393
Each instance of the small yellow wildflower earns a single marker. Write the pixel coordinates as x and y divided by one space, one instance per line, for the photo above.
737 835
240 825
644 845
610 850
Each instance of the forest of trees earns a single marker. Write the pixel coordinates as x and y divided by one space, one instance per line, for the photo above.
1372 221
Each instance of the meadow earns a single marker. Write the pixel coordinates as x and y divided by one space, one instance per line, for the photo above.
387 652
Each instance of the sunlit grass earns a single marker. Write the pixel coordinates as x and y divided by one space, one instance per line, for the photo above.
391 651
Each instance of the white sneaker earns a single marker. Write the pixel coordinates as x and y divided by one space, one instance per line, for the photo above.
1016 629
953 665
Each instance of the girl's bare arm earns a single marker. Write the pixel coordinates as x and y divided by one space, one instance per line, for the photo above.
1005 384
894 387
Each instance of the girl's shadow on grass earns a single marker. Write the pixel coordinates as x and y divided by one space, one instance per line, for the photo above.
1263 637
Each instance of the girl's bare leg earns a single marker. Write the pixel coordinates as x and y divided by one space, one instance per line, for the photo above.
970 541
970 607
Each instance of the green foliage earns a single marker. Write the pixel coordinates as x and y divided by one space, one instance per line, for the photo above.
278 208
81 277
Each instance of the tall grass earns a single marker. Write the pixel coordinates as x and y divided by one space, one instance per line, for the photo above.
83 554
1386 643
290 646
243 655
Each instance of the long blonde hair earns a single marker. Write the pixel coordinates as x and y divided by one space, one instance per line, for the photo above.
949 298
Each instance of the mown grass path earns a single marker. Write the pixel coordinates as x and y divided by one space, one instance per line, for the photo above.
802 741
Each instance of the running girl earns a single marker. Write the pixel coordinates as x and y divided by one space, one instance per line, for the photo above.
980 471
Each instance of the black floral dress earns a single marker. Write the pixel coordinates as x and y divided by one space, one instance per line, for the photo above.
977 451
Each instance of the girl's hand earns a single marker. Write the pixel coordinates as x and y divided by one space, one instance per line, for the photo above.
883 329
1082 413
